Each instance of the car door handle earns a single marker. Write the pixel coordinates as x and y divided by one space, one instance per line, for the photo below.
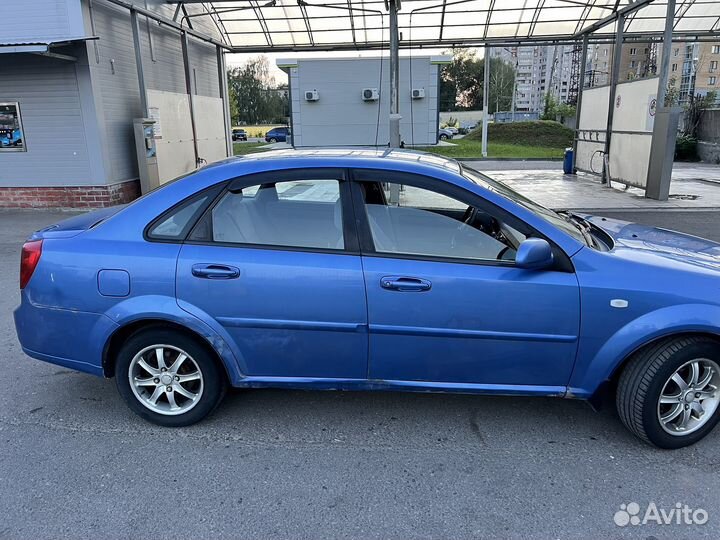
405 284
215 271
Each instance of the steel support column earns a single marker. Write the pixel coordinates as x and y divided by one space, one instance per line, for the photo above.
578 106
393 6
662 149
665 59
189 89
615 75
486 100
225 96
135 23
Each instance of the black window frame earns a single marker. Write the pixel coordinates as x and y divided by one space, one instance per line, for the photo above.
177 207
562 262
340 174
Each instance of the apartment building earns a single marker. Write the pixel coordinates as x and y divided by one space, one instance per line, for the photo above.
539 70
694 67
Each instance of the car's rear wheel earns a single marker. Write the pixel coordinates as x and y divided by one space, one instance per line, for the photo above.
668 394
168 378
443 137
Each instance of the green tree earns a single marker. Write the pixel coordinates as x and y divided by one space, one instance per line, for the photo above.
258 98
502 85
233 103
461 83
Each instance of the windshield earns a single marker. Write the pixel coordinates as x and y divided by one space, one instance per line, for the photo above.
566 225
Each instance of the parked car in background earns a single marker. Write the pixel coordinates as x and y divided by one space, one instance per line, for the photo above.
445 134
278 134
239 135
452 129
293 269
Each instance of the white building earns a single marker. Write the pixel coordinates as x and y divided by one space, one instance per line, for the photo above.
346 101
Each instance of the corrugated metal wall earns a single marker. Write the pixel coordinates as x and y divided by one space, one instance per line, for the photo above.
41 20
78 116
115 77
50 105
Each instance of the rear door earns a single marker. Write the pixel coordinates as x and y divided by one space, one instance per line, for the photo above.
275 262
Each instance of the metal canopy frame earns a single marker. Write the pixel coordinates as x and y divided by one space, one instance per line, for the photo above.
250 26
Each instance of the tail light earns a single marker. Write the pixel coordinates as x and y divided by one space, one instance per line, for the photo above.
29 259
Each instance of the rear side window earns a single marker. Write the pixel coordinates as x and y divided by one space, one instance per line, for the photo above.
176 223
300 214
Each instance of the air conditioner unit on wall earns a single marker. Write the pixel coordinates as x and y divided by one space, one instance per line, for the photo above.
370 94
418 93
312 95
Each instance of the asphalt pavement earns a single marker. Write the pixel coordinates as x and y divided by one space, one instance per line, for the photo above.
75 462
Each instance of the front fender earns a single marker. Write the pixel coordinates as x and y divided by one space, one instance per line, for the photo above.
165 308
593 370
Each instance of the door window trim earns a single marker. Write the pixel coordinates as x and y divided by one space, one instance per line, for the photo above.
350 238
367 245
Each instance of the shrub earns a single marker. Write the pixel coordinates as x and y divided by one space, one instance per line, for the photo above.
686 148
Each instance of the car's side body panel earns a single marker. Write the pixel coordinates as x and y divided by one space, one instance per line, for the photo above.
485 324
289 313
632 297
65 319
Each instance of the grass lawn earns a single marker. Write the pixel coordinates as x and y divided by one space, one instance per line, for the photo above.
468 148
242 148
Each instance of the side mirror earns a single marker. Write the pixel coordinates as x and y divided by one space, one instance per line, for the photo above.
534 254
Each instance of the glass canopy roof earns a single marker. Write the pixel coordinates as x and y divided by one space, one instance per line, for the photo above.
293 25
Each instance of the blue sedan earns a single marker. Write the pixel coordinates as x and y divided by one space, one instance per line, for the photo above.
370 270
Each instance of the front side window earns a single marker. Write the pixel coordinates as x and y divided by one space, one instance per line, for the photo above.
296 213
425 222
11 129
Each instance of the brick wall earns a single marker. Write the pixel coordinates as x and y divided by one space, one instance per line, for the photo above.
69 197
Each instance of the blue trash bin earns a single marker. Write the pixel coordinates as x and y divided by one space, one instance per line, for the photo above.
568 161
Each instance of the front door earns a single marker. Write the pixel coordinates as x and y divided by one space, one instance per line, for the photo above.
445 301
275 263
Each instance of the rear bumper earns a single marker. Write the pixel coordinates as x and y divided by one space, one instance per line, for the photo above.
70 338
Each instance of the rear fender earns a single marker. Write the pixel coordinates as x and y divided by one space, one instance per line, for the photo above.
165 308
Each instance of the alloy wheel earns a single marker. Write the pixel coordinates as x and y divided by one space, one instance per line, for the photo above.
166 379
689 397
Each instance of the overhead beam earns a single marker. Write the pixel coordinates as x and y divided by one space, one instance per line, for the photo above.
622 12
167 22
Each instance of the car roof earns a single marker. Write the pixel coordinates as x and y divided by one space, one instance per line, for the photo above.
347 157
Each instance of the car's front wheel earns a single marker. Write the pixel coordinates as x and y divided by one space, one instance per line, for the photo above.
168 378
668 394
272 140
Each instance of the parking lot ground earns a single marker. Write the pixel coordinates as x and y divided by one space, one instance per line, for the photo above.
75 462
694 186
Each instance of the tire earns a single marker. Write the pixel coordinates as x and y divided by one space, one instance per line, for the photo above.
273 140
443 137
651 373
208 389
